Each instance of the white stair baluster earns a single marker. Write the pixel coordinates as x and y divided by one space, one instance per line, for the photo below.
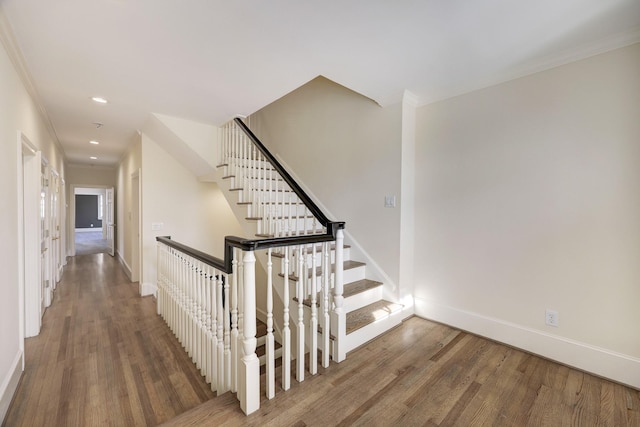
286 332
213 346
220 335
313 324
208 341
270 343
234 325
227 336
326 272
301 294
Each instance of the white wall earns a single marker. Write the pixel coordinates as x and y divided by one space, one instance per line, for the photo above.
129 165
191 212
18 112
87 175
527 198
347 150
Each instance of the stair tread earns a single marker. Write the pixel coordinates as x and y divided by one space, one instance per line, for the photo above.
346 265
359 286
368 314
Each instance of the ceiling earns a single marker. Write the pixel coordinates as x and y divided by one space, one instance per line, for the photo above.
209 60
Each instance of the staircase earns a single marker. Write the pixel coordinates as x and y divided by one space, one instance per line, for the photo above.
267 207
292 272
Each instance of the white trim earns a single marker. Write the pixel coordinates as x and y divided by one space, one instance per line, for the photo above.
125 266
71 247
29 237
88 230
548 62
147 288
12 48
609 364
10 384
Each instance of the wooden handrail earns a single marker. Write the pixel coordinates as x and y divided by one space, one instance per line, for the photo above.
331 226
231 242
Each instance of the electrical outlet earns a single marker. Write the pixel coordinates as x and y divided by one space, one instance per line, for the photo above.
389 201
551 317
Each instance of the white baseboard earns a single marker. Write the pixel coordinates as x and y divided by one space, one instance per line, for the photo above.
598 361
148 289
9 385
88 230
125 266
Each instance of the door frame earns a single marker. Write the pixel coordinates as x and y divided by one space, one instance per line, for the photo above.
72 212
135 218
109 217
29 249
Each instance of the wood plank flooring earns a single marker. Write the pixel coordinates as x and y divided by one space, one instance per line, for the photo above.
427 374
103 357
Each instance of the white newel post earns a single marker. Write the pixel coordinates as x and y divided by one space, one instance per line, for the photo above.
250 367
338 315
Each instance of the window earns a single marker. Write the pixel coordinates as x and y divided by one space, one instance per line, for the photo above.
100 207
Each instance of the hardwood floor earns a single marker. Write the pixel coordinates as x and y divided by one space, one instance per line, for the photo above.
426 374
105 358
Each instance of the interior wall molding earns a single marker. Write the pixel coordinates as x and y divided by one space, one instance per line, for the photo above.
602 362
15 55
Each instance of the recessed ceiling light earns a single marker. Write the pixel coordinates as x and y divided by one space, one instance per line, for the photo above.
93 158
99 100
94 142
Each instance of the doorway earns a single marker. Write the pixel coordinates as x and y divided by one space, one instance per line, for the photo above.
92 220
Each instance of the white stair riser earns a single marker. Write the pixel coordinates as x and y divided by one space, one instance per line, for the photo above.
242 163
277 354
372 330
295 210
362 299
267 197
346 254
350 275
285 225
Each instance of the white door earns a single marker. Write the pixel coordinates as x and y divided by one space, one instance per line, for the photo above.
54 193
109 216
45 254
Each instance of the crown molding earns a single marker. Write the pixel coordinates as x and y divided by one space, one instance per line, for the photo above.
10 44
544 63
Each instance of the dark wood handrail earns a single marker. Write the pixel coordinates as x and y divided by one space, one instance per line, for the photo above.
231 242
309 203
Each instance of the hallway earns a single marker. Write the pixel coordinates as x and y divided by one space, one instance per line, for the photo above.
103 356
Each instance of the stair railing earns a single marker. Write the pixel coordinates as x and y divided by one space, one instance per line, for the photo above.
210 303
